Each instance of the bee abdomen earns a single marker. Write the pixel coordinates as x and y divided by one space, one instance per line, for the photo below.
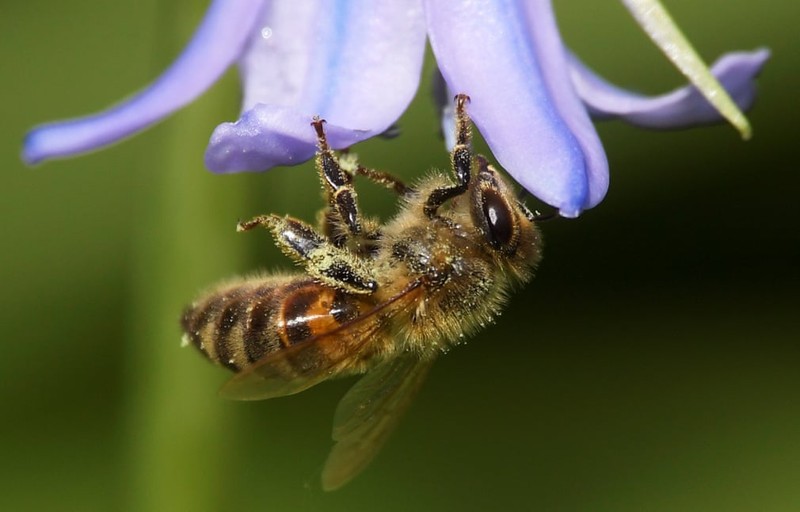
239 325
231 326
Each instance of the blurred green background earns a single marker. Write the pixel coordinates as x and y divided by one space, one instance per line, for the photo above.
653 365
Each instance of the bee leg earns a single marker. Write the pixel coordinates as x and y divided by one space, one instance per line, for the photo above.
332 265
349 164
261 220
338 184
383 178
461 160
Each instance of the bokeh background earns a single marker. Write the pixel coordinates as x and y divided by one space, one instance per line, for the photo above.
653 365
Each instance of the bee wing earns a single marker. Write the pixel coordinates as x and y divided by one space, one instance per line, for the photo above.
368 413
297 368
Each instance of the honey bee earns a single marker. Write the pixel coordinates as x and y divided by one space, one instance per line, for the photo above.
381 300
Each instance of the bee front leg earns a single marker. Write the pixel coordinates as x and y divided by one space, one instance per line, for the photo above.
322 260
461 160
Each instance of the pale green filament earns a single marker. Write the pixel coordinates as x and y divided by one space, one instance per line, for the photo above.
659 25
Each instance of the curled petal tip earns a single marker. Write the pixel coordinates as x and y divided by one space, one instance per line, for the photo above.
32 153
759 56
680 108
63 139
214 47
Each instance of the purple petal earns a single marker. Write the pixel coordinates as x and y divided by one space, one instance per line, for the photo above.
356 63
217 43
269 135
680 108
508 57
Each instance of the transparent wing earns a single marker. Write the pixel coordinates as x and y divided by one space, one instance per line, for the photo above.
296 368
368 413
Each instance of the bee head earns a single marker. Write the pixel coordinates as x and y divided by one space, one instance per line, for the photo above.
506 225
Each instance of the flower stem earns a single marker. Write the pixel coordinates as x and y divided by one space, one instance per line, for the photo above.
175 425
662 29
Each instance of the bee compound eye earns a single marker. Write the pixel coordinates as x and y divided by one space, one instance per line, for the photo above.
499 220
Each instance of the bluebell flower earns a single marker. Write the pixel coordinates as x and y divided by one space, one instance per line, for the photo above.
357 63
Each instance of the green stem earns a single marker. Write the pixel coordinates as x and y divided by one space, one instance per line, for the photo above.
659 25
176 440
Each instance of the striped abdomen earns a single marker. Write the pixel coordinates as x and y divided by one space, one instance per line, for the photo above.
240 323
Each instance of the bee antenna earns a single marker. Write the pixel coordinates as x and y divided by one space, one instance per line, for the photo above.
538 216
535 215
